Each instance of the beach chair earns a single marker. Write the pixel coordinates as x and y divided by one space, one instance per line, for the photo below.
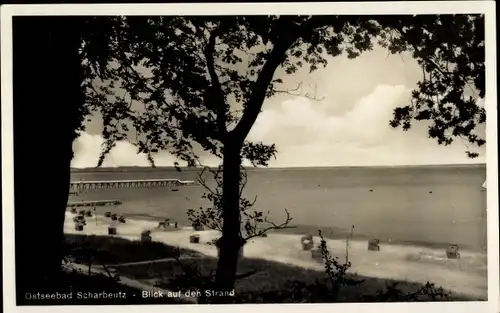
452 252
81 212
121 219
88 213
107 214
307 242
114 217
111 230
78 218
194 239
374 245
317 255
73 210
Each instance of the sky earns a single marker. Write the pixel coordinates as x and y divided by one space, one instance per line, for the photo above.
347 126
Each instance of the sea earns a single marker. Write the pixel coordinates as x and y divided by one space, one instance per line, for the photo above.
415 211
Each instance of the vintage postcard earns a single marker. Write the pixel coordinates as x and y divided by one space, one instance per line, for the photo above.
340 156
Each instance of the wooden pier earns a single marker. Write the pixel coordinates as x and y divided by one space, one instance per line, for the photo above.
76 186
94 203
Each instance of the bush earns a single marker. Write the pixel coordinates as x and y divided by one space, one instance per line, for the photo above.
271 282
263 281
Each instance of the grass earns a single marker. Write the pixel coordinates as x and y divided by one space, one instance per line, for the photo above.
278 280
272 282
116 250
104 250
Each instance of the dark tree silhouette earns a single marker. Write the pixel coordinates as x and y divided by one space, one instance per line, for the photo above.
202 81
46 97
451 51
195 76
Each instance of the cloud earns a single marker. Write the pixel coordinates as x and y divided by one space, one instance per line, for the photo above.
87 149
366 122
308 133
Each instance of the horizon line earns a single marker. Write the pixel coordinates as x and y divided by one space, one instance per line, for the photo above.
287 167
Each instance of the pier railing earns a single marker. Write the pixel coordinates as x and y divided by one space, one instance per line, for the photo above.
94 203
145 183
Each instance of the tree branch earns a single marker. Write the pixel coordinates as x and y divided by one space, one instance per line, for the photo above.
260 87
275 226
429 60
203 182
216 89
285 32
243 181
297 92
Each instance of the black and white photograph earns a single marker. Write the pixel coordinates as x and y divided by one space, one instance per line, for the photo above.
335 154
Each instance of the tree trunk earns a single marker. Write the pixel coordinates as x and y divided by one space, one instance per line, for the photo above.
46 96
231 241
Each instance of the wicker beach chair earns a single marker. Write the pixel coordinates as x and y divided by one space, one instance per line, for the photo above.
112 230
374 245
452 252
317 255
307 242
194 239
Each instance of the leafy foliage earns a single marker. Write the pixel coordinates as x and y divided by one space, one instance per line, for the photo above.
329 287
184 82
336 277
335 286
203 79
451 51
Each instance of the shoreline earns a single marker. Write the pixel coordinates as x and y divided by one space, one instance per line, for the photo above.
335 200
329 232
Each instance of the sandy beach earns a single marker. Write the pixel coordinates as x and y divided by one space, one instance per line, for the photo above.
467 275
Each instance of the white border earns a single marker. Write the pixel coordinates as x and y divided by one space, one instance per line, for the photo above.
358 8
